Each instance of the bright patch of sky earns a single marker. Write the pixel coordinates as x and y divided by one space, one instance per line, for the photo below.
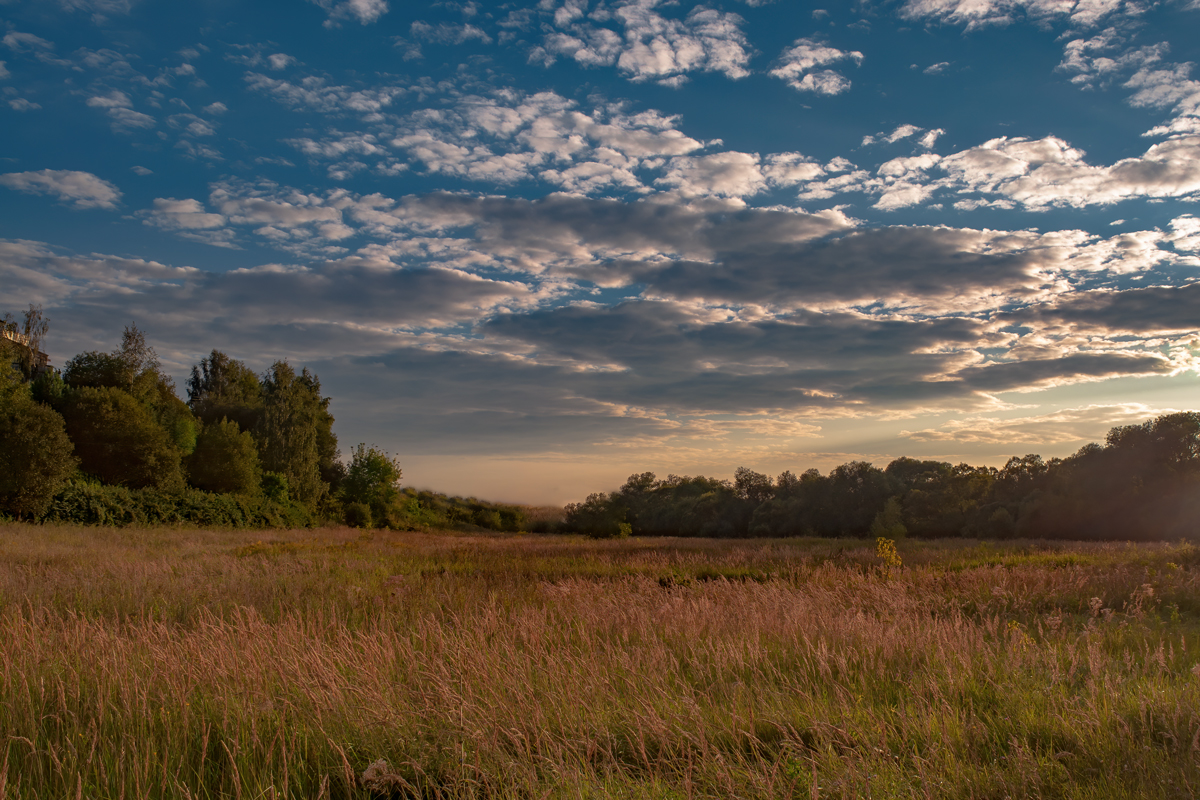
534 248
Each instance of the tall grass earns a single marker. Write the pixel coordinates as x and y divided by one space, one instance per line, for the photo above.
190 664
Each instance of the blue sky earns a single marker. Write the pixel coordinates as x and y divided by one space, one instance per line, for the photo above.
532 248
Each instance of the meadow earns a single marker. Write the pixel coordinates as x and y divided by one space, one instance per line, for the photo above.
332 663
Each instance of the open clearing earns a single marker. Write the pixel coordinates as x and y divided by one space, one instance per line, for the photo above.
328 663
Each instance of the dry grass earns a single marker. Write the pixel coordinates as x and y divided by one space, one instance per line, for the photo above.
188 664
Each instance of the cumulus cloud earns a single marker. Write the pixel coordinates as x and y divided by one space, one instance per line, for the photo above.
120 110
650 45
1038 174
190 218
979 13
449 33
364 11
800 65
73 188
315 94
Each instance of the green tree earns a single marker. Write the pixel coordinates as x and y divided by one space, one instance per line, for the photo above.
30 331
134 368
372 481
288 434
225 460
118 440
35 453
223 387
600 516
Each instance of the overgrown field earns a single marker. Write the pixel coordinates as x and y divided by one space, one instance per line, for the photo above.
188 664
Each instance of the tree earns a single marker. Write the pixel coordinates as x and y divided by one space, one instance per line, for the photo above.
223 387
134 368
598 516
118 440
30 331
288 434
372 480
225 460
36 455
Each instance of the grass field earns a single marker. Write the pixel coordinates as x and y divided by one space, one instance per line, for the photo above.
327 663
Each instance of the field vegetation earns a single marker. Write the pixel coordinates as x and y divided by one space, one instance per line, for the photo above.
338 663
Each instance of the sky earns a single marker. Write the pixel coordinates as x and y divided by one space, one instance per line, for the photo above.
531 248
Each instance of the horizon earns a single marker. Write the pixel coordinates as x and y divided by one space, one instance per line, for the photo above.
532 249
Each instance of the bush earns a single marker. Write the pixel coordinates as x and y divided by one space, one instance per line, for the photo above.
225 460
90 503
358 515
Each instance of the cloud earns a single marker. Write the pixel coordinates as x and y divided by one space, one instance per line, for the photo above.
365 11
77 189
935 69
905 131
981 13
650 45
1156 310
187 215
4 73
1038 174
798 66
119 108
21 104
315 94
25 42
1081 424
449 33
99 9
729 174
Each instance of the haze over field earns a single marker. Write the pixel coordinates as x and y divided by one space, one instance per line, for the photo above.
534 247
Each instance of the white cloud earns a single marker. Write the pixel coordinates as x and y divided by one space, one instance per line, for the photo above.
934 69
798 66
119 108
278 61
21 104
25 42
4 73
186 215
365 11
314 93
143 171
78 189
215 108
979 13
650 45
930 138
449 33
728 174
1081 424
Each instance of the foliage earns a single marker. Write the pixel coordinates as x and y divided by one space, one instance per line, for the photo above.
221 387
33 328
289 436
92 503
119 442
597 516
36 456
1143 483
225 460
372 480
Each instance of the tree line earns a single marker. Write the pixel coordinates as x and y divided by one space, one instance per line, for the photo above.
108 440
1143 483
